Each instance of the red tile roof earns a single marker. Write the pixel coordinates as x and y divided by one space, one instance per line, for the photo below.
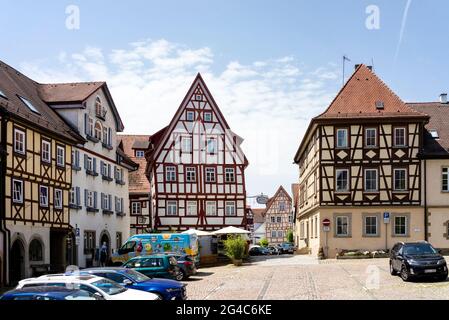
68 92
259 215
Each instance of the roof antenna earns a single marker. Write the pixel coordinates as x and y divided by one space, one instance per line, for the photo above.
345 58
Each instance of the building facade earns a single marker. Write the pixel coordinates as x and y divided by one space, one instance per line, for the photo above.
35 181
196 168
358 161
278 217
98 197
435 178
139 186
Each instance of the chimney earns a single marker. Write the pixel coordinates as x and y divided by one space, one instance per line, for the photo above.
443 98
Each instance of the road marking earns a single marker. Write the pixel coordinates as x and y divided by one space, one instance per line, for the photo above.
214 290
265 286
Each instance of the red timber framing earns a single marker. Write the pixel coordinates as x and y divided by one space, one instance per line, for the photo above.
196 168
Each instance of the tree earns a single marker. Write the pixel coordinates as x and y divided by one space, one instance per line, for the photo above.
263 242
290 236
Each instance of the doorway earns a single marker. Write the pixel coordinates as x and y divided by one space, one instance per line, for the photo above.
58 247
17 262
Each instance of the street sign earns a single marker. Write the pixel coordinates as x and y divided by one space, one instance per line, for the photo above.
77 236
77 232
386 217
326 228
262 199
326 222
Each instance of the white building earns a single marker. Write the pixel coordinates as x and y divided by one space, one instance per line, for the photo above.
99 205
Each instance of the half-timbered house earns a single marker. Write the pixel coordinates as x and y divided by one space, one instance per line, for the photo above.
278 217
359 160
196 168
139 186
36 177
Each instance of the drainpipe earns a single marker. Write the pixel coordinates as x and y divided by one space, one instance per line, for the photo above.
426 218
3 228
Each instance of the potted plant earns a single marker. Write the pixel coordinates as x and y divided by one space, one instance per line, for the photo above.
235 249
263 242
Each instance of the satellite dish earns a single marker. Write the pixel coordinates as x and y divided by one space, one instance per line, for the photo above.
262 199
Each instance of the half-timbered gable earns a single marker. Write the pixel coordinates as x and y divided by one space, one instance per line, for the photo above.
278 217
362 151
196 167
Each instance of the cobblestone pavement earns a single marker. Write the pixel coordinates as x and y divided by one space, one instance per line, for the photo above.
303 278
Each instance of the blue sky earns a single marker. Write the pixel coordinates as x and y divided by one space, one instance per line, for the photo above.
240 46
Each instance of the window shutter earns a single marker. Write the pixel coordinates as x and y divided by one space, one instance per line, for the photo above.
116 207
85 197
109 170
77 195
95 199
115 172
77 158
102 200
109 202
86 123
101 166
121 205
85 162
95 165
109 137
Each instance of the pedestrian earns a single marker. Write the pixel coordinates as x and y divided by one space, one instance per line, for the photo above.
103 254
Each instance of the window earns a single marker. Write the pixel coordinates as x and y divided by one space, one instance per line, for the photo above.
119 175
104 169
190 174
186 144
371 226
58 199
400 178
342 180
229 175
98 107
140 154
399 137
119 205
89 164
400 226
29 104
89 241
17 191
118 240
98 130
273 234
172 208
90 129
371 137
211 208
280 234
90 199
342 223
211 146
46 151
342 138
208 116
434 134
60 156
43 196
74 196
106 201
2 94
76 160
278 219
371 180
210 175
273 219
230 208
19 141
35 250
192 208
136 208
281 206
445 180
170 173
190 116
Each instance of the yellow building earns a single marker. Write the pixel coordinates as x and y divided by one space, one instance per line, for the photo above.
36 147
359 162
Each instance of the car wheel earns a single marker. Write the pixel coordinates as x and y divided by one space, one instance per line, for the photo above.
392 271
180 276
405 275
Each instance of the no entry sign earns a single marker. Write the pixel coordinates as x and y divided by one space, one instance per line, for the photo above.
326 222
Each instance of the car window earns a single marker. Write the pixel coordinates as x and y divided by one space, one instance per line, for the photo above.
23 298
137 276
135 263
172 261
117 277
109 286
153 262
81 295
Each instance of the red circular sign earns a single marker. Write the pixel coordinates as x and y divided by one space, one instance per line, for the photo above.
326 222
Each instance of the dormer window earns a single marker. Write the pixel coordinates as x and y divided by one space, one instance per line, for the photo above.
199 97
208 116
99 108
434 134
29 104
190 116
140 154
380 105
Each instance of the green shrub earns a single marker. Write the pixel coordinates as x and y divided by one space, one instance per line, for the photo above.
235 247
263 242
290 236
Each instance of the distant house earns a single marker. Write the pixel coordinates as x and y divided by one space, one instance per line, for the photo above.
278 217
259 225
295 192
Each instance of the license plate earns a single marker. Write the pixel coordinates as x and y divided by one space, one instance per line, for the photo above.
430 270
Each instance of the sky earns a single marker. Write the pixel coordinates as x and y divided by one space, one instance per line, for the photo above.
270 65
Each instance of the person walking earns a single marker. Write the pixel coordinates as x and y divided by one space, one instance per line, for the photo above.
103 255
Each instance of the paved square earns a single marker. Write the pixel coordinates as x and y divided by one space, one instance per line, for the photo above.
303 278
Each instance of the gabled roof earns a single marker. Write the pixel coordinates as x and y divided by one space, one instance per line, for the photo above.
439 121
15 85
273 198
259 215
357 100
295 192
124 159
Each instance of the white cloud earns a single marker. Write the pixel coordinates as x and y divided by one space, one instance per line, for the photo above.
269 103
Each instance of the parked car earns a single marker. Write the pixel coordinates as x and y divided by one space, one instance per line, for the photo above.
417 259
166 289
46 293
258 251
101 287
287 247
158 266
273 250
187 267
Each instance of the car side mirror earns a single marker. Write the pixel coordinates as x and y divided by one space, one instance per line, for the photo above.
127 282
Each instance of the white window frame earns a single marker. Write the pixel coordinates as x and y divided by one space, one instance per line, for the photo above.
170 173
346 140
192 208
190 172
405 225
395 137
367 137
43 200
136 207
208 116
445 179
58 203
231 209
282 206
229 175
211 145
186 144
211 208
172 208
46 151
365 181
19 144
394 179
60 157
72 196
337 172
192 114
344 220
274 234
140 154
210 173
90 199
17 194
365 226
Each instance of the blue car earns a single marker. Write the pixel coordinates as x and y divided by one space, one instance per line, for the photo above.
49 293
166 289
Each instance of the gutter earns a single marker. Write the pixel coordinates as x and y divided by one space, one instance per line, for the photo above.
426 217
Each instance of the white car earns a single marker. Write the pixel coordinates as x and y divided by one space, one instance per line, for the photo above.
101 287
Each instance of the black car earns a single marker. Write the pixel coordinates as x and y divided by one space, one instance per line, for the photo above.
258 251
287 247
417 259
186 266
